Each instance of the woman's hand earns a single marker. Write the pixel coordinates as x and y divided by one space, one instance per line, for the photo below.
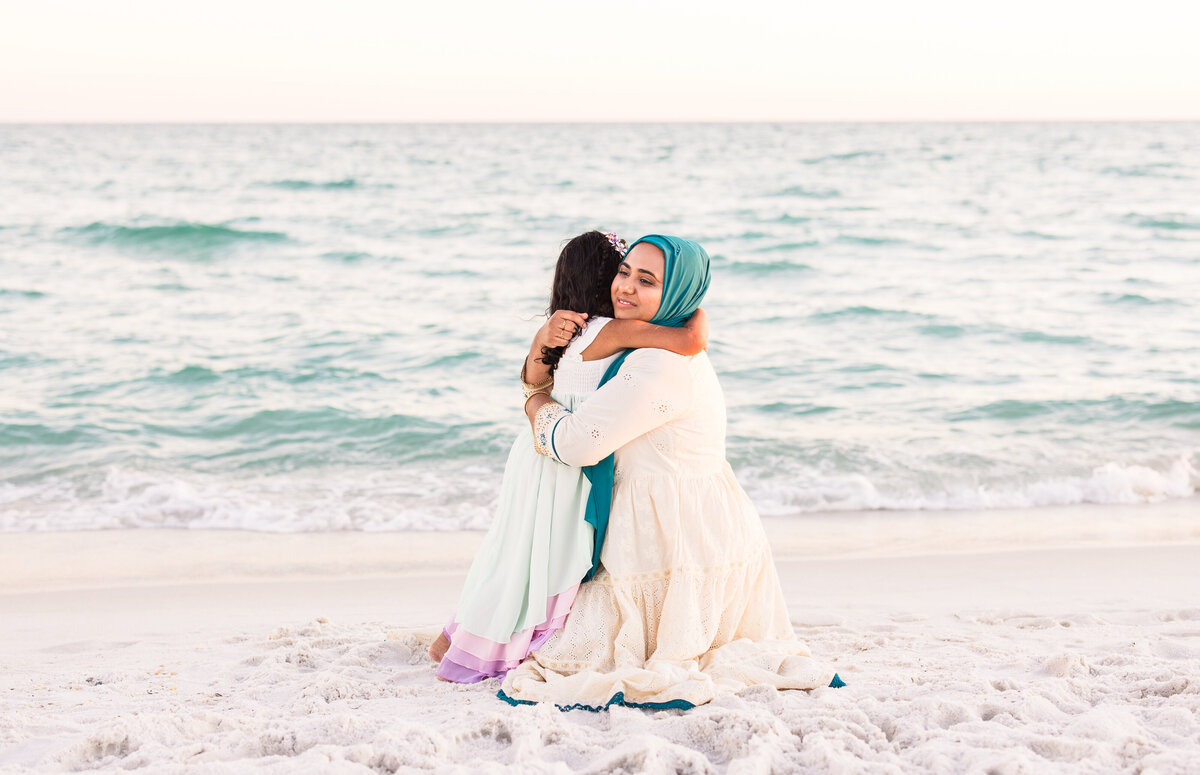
559 330
697 327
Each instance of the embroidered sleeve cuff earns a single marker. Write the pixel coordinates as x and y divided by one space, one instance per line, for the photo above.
543 428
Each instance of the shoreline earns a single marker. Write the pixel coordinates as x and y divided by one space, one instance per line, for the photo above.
65 560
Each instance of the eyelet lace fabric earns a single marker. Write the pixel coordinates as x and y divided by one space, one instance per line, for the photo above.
687 633
640 399
687 604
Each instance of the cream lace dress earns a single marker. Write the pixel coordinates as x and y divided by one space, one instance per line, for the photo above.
687 603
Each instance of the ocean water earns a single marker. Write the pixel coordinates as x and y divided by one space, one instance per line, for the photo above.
302 328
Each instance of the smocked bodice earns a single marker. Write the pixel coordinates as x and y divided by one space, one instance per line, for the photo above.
576 378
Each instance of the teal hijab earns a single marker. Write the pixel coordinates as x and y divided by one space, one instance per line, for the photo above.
685 281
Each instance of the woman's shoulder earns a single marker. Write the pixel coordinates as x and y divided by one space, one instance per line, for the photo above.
664 363
656 356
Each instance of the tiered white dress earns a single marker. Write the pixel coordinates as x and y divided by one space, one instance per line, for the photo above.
687 603
524 578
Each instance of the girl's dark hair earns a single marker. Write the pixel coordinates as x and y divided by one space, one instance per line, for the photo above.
583 282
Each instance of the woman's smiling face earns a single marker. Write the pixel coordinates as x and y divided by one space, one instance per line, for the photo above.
637 288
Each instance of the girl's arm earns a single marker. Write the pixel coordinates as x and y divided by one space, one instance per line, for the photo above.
629 334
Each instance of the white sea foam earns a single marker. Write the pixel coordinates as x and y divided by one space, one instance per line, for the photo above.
1111 483
430 499
367 501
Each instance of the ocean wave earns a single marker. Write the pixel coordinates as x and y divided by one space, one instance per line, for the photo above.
764 268
943 330
324 422
788 246
403 499
1040 235
1150 169
1168 222
1136 299
851 156
26 294
244 379
269 441
183 237
1031 336
192 375
24 435
1183 414
796 409
853 239
863 311
808 193
12 360
864 368
1047 338
1114 482
451 273
347 256
710 239
291 184
1009 409
453 230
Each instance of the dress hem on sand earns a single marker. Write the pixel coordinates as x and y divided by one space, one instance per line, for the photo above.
619 699
471 658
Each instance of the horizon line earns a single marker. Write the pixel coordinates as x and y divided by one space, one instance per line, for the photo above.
609 122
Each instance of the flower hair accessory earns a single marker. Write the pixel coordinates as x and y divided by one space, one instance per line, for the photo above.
617 243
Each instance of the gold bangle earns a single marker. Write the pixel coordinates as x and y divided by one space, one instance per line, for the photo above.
529 388
525 407
535 389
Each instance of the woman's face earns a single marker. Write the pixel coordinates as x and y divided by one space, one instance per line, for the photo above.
637 288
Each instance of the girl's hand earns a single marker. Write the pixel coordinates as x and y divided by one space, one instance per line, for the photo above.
559 329
697 325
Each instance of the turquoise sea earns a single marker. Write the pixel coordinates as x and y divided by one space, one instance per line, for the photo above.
302 328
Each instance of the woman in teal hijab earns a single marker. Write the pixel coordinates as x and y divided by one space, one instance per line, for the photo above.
685 603
684 282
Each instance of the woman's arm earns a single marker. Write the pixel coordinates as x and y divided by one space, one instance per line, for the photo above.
618 335
652 388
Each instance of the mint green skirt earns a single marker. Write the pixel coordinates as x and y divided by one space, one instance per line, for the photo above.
523 580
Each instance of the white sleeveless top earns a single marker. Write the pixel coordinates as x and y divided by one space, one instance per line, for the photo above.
574 375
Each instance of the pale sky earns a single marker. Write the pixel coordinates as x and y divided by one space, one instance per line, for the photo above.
536 60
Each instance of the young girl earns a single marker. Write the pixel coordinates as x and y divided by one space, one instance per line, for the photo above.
539 548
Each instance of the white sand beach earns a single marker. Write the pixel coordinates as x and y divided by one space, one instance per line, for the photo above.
1040 646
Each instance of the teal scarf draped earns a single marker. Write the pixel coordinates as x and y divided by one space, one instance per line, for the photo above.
685 281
